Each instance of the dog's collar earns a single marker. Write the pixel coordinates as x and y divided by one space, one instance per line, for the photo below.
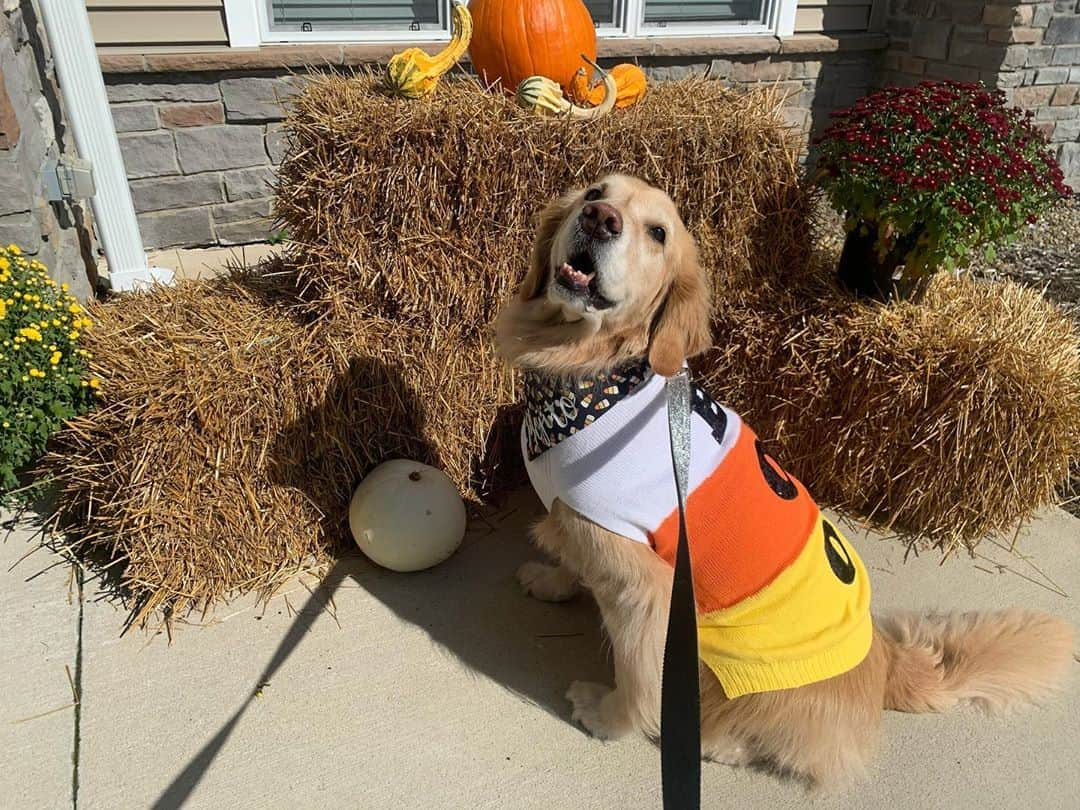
557 408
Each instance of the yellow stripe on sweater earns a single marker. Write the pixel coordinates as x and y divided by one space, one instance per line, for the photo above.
807 625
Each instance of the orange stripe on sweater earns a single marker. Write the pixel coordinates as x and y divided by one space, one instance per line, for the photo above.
742 534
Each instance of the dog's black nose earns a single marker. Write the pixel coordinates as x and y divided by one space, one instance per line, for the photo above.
600 221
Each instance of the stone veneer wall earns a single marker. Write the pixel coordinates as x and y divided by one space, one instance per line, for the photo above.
33 131
200 146
1031 50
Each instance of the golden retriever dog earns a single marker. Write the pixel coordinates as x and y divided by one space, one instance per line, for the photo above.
615 281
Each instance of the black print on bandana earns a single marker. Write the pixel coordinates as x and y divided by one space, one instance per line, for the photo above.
777 479
703 405
556 409
837 554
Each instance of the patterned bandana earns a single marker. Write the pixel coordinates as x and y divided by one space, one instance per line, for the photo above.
557 408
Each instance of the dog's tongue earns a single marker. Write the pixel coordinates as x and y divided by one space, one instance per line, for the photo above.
577 279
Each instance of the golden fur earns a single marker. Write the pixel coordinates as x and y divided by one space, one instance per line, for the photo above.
824 732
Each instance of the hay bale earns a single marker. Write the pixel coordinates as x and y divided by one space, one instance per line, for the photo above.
240 416
425 210
235 431
946 420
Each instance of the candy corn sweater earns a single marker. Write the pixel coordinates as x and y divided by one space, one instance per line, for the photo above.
782 598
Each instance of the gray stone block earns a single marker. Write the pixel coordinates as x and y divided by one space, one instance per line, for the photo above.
245 209
1068 130
243 232
1074 75
170 193
1052 75
277 142
188 227
1039 55
930 39
1063 30
1015 56
149 155
1066 55
972 33
805 70
249 184
959 73
720 69
134 117
21 229
978 54
1069 158
258 98
1006 80
163 91
965 13
204 149
1061 113
16 196
1042 15
662 73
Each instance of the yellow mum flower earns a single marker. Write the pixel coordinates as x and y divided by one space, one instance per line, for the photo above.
64 287
95 382
14 249
55 359
3 310
25 378
75 309
73 335
55 322
30 333
4 263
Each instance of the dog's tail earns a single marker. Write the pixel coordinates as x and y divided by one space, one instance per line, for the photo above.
994 660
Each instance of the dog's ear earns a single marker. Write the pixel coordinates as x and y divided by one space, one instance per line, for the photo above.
681 327
540 261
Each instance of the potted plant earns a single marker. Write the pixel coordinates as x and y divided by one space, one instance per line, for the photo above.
926 175
43 373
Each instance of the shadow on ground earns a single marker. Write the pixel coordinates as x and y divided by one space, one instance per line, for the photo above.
470 606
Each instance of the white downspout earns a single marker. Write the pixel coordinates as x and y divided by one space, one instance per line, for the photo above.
83 89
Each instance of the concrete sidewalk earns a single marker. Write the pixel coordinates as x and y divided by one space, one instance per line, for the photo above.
444 689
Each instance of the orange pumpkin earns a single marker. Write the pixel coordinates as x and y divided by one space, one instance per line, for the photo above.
630 86
515 39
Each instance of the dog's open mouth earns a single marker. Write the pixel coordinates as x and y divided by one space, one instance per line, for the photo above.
578 275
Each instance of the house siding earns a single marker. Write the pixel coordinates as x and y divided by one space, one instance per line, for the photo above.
161 24
168 24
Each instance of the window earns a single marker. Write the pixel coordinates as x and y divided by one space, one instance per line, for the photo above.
642 18
254 21
356 15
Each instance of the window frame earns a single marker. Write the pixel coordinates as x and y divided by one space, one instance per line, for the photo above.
248 23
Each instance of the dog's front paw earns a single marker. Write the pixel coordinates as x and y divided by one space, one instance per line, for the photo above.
595 709
730 753
548 583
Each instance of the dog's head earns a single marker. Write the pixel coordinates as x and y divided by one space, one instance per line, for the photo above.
616 258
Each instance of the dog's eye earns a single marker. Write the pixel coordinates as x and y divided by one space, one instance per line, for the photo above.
592 194
658 233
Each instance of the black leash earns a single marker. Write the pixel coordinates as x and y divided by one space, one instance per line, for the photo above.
680 698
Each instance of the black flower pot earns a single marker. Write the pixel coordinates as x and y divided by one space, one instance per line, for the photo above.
862 271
